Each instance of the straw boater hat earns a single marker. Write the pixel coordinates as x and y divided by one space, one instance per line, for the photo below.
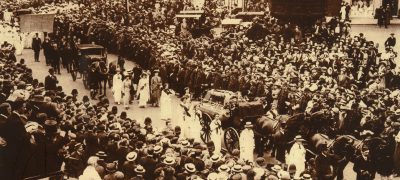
158 149
298 138
223 168
237 168
248 125
190 167
276 168
139 169
101 154
215 158
131 156
169 160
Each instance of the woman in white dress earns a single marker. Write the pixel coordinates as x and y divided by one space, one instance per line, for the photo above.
143 90
297 156
166 102
216 134
186 120
126 90
117 87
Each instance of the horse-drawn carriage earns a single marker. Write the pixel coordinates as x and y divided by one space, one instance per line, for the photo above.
88 54
234 112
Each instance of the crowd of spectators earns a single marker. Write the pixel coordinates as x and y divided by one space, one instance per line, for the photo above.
320 68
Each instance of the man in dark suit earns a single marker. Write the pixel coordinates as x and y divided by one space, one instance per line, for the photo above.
17 141
364 167
50 82
55 58
46 45
391 41
324 164
36 46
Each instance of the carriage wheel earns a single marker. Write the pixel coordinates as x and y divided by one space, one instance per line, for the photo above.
205 133
85 81
231 139
73 74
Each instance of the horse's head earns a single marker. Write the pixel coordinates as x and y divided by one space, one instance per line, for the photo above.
345 145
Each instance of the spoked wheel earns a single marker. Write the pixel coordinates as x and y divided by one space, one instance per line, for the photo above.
85 80
73 74
231 139
205 133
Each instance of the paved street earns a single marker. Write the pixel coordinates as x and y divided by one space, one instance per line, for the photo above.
376 34
40 71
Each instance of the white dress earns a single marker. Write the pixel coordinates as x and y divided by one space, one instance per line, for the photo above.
297 157
126 89
117 87
247 144
166 104
144 91
216 135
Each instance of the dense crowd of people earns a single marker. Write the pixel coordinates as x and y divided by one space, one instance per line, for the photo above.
290 69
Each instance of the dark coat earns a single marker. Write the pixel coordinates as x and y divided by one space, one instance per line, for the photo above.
50 82
391 41
149 164
364 168
36 44
323 166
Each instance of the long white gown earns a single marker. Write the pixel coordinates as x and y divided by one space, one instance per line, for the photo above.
216 135
247 145
166 104
127 87
117 87
144 91
297 157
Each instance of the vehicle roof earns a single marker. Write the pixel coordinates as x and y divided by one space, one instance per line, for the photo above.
89 46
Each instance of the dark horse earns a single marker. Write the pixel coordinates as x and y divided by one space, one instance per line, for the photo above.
346 147
98 78
103 77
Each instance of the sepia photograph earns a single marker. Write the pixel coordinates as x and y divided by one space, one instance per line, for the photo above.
199 90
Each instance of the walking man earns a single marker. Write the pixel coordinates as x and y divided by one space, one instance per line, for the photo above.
36 46
391 41
155 86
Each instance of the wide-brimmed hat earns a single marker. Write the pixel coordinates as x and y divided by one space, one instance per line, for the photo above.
397 112
190 167
185 143
169 160
223 168
139 169
298 138
248 125
276 168
111 167
237 168
215 158
101 154
157 149
131 156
